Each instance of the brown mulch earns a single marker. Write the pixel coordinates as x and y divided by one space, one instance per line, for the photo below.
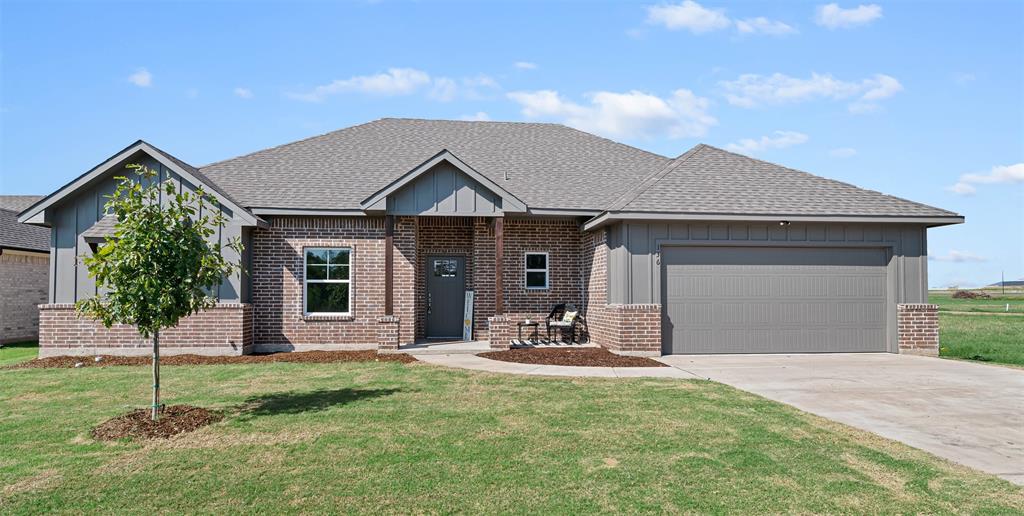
593 357
319 357
137 424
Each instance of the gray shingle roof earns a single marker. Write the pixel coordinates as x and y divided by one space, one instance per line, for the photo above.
18 202
14 235
710 180
102 228
548 165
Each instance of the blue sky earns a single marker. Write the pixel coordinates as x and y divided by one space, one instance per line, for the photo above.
916 99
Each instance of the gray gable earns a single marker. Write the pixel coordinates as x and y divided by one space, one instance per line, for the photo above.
546 165
708 180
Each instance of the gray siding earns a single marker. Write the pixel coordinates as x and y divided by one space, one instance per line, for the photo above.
70 280
444 190
635 273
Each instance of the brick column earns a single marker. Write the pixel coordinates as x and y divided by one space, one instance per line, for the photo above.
499 331
387 334
918 329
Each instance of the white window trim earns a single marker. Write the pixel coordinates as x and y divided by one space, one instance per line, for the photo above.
546 270
306 281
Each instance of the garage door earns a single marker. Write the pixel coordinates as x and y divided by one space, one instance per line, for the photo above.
773 299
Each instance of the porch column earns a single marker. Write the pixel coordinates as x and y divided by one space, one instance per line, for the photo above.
389 264
499 259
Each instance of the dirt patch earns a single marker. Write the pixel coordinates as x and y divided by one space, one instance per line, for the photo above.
137 424
592 357
319 357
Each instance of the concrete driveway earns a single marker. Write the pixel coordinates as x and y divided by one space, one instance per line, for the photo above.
968 413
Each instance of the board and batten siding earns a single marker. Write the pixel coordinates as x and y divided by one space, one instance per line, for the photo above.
635 272
73 216
444 190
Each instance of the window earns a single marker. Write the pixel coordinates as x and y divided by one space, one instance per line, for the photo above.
328 282
446 268
537 270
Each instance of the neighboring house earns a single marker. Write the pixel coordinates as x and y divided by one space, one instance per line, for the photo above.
1008 283
369 237
24 270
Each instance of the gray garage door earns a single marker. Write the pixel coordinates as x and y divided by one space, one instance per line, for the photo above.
773 299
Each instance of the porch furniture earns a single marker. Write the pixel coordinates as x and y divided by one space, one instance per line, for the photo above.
532 324
564 316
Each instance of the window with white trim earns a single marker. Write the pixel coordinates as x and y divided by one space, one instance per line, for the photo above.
536 270
328 281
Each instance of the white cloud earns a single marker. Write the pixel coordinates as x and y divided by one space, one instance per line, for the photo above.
688 15
843 152
396 81
525 65
633 114
779 140
141 78
243 93
751 90
479 116
1005 174
958 257
762 25
446 89
698 19
834 17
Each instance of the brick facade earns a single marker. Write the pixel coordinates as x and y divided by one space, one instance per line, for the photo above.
223 330
918 329
277 282
23 287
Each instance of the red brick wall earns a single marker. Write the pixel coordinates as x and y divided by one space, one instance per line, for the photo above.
23 286
561 240
918 328
223 330
277 276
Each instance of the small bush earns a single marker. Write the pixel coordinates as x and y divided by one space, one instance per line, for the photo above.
970 294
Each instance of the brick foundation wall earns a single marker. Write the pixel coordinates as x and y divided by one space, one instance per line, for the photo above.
388 328
23 287
223 330
501 329
277 282
918 329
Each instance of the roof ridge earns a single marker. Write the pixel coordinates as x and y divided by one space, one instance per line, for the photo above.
836 181
652 179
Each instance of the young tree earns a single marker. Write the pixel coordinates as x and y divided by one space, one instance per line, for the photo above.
159 265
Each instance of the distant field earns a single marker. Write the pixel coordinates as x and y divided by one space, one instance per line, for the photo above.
997 303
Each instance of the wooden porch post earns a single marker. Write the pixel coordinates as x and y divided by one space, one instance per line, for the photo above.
499 259
389 264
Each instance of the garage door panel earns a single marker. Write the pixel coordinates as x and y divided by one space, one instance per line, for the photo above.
774 299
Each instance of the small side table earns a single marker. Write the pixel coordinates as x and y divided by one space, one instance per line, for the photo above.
532 324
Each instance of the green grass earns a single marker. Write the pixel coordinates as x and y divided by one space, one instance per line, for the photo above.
386 437
18 352
988 338
997 303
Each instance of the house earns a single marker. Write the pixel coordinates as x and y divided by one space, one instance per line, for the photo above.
368 237
24 270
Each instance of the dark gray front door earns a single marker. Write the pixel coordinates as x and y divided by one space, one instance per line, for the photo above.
446 296
773 299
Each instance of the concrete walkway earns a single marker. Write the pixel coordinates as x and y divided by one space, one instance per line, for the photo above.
465 361
966 412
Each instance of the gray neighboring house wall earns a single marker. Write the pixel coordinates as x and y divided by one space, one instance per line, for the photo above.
707 252
24 270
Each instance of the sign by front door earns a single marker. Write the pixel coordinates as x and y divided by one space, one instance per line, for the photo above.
446 287
467 317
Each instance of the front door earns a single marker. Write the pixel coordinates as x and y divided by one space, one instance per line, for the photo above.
446 295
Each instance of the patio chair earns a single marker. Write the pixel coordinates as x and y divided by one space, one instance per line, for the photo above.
564 316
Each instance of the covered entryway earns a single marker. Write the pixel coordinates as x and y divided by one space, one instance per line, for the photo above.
446 286
740 299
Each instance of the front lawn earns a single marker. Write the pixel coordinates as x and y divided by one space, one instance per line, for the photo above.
987 338
18 352
389 437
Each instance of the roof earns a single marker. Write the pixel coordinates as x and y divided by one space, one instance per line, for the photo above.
1008 283
14 235
103 228
709 180
547 165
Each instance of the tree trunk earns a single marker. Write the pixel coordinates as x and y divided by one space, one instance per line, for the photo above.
156 375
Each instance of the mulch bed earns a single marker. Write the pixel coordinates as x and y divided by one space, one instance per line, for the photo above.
593 357
137 424
319 357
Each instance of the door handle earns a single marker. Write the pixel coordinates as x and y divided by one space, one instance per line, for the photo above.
430 302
